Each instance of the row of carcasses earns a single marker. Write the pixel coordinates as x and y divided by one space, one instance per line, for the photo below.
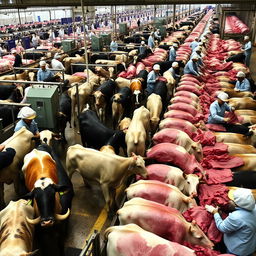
173 144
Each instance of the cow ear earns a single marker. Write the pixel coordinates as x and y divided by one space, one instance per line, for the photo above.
60 188
29 195
184 175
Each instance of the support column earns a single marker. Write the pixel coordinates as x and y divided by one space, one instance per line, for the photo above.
50 15
167 14
174 15
115 21
189 9
154 12
19 16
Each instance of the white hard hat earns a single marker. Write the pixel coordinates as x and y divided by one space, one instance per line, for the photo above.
222 96
246 38
27 113
243 198
14 51
142 42
175 64
56 56
42 63
156 67
240 74
175 45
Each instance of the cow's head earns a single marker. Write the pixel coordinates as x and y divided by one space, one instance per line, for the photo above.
196 149
196 236
45 196
138 166
253 136
191 184
99 98
47 137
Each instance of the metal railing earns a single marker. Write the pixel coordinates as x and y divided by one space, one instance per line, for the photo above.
93 65
92 247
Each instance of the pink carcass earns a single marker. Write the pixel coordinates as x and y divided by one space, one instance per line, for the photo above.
184 99
131 72
184 107
179 124
131 240
189 88
162 221
139 66
180 138
162 193
187 94
181 115
174 154
186 183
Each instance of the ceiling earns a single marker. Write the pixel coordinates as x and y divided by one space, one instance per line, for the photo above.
31 3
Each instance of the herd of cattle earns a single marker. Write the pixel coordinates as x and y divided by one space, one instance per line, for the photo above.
152 220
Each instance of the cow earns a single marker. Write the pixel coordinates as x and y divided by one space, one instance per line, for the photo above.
234 148
41 180
122 82
170 82
91 128
243 179
11 93
245 112
155 107
23 76
136 88
124 124
232 93
109 147
143 74
68 60
162 221
16 234
180 138
22 142
47 136
137 132
249 162
186 183
162 193
125 239
102 96
109 173
121 102
242 103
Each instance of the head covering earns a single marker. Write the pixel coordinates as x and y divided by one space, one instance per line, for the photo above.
222 96
194 57
14 51
142 42
56 56
175 45
175 64
240 74
27 113
42 63
246 38
243 198
156 67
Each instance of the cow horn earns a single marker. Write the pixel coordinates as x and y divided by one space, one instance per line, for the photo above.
33 221
62 216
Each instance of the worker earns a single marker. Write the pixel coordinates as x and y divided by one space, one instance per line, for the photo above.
61 32
44 73
174 69
152 78
138 23
17 60
172 52
242 83
194 44
239 227
157 35
192 67
197 52
247 50
27 116
20 49
51 35
56 64
78 30
113 45
35 41
6 157
142 48
151 41
217 115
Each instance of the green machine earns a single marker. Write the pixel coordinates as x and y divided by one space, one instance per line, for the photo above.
159 22
162 31
68 45
123 28
97 43
45 101
106 39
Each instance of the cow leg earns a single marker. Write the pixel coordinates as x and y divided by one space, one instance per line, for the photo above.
2 203
105 191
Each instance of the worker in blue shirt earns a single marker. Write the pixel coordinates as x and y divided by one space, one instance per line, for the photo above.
151 42
191 67
142 48
157 35
194 44
239 227
217 115
44 73
173 70
27 116
172 52
247 50
113 45
152 78
197 52
242 84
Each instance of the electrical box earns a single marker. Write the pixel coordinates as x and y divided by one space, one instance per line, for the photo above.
97 43
106 39
162 31
68 45
45 101
123 28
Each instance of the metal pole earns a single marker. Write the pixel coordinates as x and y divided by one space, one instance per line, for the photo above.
115 20
174 14
189 9
19 16
85 42
154 12
167 14
77 99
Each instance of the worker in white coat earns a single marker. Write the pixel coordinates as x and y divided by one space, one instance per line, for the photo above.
56 64
247 50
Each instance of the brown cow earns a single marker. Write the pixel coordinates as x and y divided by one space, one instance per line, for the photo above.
249 162
232 93
242 103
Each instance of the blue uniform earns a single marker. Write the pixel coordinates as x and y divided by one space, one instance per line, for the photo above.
193 45
172 54
142 49
113 46
172 70
151 43
42 75
243 86
217 112
191 68
151 81
239 230
199 62
32 127
248 52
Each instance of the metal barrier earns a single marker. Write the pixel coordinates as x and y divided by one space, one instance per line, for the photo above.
92 247
94 65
